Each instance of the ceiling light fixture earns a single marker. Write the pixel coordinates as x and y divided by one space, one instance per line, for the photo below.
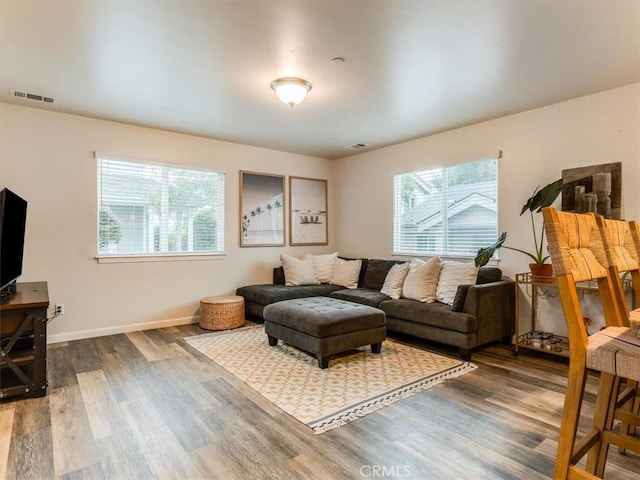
291 90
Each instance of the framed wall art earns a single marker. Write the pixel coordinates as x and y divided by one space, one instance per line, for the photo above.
261 210
308 211
596 188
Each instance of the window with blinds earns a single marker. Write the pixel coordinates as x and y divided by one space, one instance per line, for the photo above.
147 209
450 211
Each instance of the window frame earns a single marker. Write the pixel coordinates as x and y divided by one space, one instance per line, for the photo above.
397 234
171 256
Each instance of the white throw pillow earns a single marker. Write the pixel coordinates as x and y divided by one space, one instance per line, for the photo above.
324 266
346 273
394 280
422 280
452 275
298 271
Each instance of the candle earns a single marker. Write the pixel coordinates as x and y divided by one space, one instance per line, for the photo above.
589 202
602 183
578 192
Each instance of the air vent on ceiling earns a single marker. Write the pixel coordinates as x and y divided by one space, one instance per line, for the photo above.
355 146
31 96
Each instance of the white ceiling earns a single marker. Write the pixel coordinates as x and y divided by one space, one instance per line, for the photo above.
412 68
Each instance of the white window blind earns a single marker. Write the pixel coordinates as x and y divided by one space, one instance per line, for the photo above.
152 209
450 211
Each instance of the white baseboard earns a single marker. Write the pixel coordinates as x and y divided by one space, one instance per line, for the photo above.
136 327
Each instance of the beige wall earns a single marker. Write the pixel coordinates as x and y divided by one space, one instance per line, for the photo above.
47 158
537 145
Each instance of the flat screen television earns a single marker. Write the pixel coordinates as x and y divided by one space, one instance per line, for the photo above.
13 219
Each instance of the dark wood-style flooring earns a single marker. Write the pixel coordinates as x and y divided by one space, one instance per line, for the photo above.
146 405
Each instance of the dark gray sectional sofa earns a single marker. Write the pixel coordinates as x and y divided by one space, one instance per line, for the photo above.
480 314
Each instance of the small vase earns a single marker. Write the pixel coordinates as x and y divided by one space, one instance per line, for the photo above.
541 272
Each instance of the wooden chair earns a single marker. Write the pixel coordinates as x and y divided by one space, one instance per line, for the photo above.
614 351
622 258
634 232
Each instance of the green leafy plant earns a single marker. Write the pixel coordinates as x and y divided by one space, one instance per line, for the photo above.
110 228
541 198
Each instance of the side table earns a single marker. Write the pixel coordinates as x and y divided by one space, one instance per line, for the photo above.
222 312
549 342
23 341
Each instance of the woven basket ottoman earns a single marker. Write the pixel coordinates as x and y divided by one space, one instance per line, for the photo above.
222 312
324 326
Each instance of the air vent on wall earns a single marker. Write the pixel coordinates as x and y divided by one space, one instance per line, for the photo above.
355 146
31 96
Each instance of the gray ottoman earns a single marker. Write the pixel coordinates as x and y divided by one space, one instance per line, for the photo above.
324 326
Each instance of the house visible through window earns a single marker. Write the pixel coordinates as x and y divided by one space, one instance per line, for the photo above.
154 209
450 211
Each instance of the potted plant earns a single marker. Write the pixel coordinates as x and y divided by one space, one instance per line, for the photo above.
541 198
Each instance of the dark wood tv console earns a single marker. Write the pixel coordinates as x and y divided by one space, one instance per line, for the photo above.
23 341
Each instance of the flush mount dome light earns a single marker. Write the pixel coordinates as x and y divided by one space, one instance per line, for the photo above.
291 90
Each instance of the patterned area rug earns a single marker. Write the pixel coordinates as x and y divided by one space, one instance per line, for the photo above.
355 384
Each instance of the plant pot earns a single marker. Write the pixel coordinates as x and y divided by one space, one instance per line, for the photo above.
541 272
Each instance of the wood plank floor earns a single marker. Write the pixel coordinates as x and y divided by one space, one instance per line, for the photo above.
146 405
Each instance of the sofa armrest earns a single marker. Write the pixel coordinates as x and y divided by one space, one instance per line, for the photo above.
493 304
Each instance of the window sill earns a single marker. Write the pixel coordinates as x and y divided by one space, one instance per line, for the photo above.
166 257
491 263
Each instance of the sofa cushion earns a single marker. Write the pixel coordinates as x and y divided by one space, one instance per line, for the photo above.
363 269
422 280
267 294
452 275
488 275
298 271
461 296
434 314
346 273
278 276
364 296
323 265
394 280
278 272
376 272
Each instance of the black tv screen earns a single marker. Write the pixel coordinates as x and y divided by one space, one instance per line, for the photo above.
13 218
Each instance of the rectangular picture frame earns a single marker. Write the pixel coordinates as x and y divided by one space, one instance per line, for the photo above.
262 207
595 188
308 215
